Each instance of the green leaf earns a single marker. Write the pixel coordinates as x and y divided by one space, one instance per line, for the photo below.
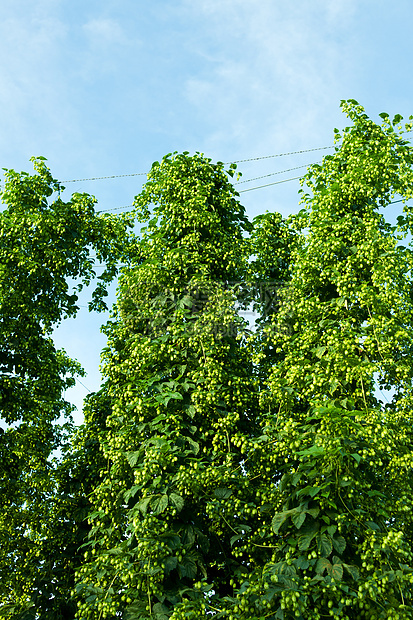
132 458
165 397
160 611
324 544
188 567
284 481
336 571
339 544
353 571
317 579
159 418
177 501
314 512
305 539
302 562
188 536
160 504
143 504
298 518
191 411
319 351
309 490
375 493
312 451
322 565
234 539
194 445
6 610
278 520
288 583
222 493
171 540
334 384
373 526
159 442
131 492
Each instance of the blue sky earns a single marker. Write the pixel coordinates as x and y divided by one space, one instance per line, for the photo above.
105 87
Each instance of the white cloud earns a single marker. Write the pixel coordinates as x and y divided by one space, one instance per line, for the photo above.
276 67
106 48
339 12
32 85
273 74
104 31
106 87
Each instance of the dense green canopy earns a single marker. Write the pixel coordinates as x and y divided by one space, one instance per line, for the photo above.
223 470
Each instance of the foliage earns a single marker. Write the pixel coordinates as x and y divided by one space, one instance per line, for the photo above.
233 472
42 245
184 406
342 530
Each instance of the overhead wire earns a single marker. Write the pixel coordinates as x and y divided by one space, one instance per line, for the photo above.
117 176
264 176
112 176
241 191
271 174
86 388
116 209
319 148
238 161
250 189
250 159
